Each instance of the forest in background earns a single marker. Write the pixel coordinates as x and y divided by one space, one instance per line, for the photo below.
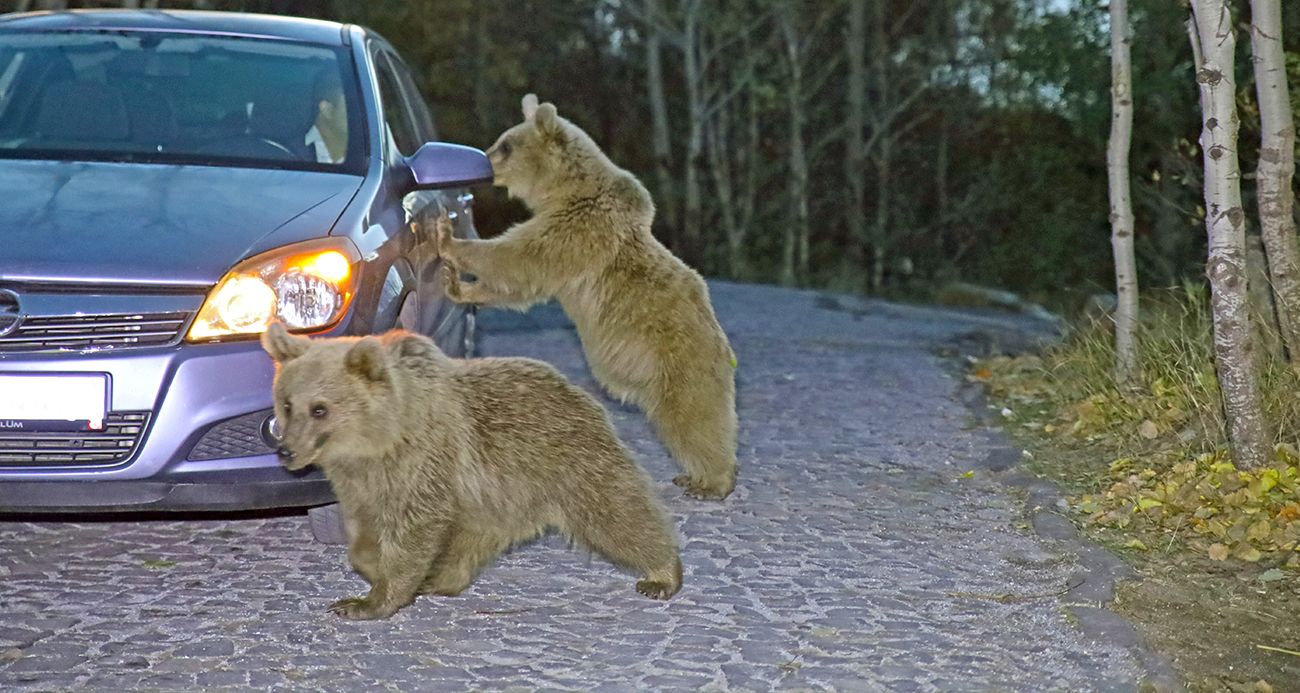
968 145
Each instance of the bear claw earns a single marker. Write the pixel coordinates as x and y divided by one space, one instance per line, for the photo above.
655 589
357 609
698 490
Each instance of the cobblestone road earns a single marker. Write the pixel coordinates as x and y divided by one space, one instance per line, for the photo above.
852 557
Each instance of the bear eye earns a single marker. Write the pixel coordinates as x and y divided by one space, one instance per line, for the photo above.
288 406
318 411
504 149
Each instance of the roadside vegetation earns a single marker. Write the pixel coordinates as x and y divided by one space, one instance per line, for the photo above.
1147 472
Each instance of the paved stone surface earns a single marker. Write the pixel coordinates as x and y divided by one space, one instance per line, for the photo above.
852 557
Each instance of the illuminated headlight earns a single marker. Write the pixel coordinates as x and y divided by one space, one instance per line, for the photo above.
307 286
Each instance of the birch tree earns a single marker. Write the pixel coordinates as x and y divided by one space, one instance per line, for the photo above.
702 32
1213 43
805 79
891 103
855 152
1121 203
796 233
659 134
733 138
1276 168
694 64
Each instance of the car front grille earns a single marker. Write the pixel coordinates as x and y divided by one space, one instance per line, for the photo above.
114 444
85 332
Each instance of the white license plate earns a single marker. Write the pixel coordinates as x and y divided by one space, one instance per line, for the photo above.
32 402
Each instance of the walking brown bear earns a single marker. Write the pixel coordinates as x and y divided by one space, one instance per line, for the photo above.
441 464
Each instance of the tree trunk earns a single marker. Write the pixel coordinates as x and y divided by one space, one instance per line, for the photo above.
1263 310
1121 203
855 156
692 233
749 162
1276 169
718 139
941 169
883 107
735 177
794 265
659 139
1212 33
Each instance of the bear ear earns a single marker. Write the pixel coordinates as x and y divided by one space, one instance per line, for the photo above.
409 344
546 119
281 345
530 106
366 358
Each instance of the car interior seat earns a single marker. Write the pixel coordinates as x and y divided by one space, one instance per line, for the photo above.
82 113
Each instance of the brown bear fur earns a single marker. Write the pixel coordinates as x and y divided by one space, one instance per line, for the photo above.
441 464
644 317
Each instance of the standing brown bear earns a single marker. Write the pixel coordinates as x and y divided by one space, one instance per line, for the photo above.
644 317
441 464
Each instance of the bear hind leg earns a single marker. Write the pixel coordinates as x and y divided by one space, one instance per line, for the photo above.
632 533
663 583
698 426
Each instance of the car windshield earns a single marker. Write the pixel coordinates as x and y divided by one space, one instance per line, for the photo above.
178 98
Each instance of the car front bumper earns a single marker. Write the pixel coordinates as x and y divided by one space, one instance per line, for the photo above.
194 396
256 490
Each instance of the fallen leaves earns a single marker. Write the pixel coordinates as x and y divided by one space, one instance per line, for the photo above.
1219 511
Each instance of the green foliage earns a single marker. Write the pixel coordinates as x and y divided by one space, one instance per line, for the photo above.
997 172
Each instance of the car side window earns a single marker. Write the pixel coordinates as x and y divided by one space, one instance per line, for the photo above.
400 125
424 126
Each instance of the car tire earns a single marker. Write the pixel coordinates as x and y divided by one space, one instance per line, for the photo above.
327 524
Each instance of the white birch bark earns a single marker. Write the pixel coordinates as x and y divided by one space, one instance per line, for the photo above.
855 155
718 145
736 192
1276 168
1213 35
1121 203
794 256
879 234
659 137
693 212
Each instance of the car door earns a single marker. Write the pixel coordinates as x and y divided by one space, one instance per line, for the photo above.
425 308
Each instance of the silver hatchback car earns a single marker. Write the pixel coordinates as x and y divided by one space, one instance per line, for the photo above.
170 183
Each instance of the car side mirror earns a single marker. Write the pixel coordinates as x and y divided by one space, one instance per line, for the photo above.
442 165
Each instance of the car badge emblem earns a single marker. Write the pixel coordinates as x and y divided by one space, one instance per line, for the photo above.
10 318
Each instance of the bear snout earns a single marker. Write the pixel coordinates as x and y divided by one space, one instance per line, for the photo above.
285 454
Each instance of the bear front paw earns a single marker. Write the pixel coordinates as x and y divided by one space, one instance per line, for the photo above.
700 490
360 609
443 230
451 282
655 589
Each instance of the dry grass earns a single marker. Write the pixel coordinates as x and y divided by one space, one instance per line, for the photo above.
1174 405
1169 469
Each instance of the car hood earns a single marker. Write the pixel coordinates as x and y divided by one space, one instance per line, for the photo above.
124 223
